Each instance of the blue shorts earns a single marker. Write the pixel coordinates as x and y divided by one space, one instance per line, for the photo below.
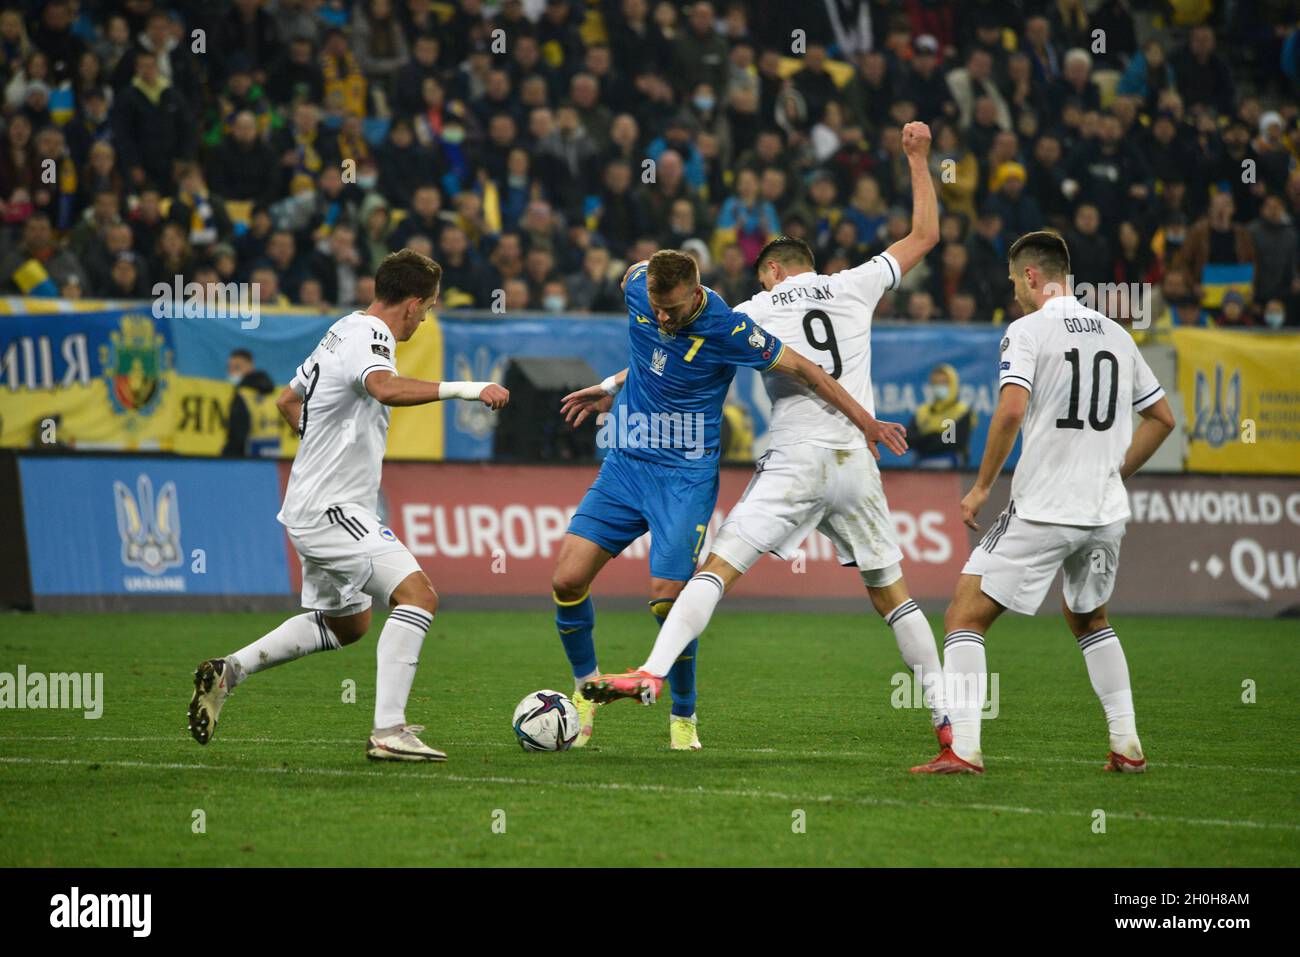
632 496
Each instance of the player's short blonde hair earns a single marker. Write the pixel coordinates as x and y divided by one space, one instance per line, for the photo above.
668 270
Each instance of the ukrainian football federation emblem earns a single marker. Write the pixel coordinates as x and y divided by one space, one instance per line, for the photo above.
658 361
1217 416
134 364
150 528
475 417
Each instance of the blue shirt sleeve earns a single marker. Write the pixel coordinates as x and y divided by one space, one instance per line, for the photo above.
636 294
745 343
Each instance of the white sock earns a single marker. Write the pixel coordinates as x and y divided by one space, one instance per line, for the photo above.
964 666
916 645
1108 671
299 636
686 622
398 655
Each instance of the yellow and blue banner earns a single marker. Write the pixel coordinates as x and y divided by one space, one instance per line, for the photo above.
107 376
1242 398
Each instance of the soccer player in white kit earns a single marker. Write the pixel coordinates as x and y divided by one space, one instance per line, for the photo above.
1070 379
818 472
339 403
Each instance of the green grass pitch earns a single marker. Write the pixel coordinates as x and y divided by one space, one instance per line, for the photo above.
795 716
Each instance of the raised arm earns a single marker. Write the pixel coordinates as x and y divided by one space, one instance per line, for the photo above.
913 247
819 381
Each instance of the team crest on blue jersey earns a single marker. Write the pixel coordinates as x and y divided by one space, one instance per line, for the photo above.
658 361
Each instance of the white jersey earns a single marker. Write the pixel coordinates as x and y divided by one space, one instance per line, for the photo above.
826 319
344 428
1086 378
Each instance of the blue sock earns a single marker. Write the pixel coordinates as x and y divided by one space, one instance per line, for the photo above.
681 676
575 622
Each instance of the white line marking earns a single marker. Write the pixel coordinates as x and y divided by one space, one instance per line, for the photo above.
660 789
793 752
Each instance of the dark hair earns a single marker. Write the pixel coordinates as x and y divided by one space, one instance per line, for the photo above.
786 250
406 274
1043 249
241 354
669 269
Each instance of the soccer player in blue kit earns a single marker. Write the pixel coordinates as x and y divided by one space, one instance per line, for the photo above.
661 472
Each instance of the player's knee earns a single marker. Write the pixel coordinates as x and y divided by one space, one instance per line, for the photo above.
351 629
422 596
1085 623
568 587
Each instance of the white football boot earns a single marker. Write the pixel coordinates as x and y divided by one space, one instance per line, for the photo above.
399 743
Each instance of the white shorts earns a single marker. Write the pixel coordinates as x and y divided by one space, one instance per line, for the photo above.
1017 560
349 559
799 488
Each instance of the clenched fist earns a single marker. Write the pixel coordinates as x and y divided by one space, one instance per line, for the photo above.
494 396
916 139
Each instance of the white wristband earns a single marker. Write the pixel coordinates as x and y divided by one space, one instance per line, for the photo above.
611 386
461 390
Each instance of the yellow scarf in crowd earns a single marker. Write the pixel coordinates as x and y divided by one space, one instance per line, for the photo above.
154 92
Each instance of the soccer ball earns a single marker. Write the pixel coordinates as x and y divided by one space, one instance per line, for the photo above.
546 721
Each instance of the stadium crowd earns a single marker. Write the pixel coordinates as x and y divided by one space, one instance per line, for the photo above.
535 148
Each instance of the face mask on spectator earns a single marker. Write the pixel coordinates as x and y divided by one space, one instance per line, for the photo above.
942 392
1274 318
704 104
553 303
367 180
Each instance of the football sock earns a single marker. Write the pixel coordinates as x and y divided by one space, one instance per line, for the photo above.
916 645
300 635
681 676
1108 671
964 668
575 621
398 655
690 616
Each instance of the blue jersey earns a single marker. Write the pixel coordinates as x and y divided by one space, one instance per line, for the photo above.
670 409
